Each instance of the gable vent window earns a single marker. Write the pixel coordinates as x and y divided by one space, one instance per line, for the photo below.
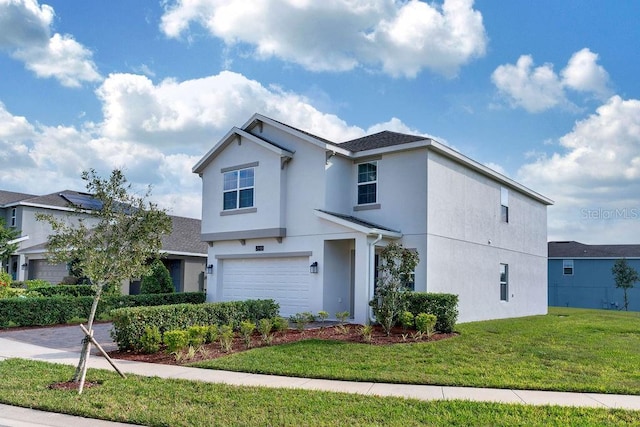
367 183
504 204
238 189
567 267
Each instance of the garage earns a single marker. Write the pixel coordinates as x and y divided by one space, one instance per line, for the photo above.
52 273
285 280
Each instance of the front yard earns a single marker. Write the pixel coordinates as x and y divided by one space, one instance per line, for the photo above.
570 349
567 350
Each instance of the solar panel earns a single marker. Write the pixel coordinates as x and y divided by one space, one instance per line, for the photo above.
83 201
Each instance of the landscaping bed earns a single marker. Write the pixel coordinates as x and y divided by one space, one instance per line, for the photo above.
345 333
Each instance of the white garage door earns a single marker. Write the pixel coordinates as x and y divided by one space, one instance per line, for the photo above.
285 280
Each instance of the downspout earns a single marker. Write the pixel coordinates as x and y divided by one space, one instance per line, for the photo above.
370 267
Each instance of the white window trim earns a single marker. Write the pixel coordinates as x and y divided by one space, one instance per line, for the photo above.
567 263
238 188
504 283
374 203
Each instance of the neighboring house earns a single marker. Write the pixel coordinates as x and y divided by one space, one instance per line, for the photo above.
185 253
580 275
294 217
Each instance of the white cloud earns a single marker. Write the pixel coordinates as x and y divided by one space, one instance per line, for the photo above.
334 35
584 74
197 110
25 34
541 88
599 171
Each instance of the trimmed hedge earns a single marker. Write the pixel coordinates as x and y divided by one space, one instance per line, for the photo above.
443 306
55 310
65 291
129 323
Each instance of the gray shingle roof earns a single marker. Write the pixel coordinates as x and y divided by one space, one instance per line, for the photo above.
380 140
184 237
7 197
573 249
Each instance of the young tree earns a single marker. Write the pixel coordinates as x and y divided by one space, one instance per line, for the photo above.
396 266
110 241
625 277
7 246
158 281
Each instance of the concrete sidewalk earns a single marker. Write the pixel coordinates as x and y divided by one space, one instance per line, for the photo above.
11 348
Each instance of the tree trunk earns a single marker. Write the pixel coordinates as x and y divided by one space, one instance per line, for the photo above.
81 369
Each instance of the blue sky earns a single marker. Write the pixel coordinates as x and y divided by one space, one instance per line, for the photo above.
546 92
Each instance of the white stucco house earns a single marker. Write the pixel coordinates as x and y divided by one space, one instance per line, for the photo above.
291 216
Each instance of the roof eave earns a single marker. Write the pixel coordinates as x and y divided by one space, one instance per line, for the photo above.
357 227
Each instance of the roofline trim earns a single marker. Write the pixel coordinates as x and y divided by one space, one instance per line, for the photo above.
357 227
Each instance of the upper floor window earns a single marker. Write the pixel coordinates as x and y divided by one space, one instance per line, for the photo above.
367 183
567 267
238 189
504 204
13 217
504 282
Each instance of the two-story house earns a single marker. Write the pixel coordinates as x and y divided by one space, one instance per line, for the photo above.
184 253
294 217
580 275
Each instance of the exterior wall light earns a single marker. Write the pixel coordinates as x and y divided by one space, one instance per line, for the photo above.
210 269
24 266
313 268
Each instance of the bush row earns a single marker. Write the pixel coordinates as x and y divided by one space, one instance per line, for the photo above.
129 323
65 291
42 311
443 306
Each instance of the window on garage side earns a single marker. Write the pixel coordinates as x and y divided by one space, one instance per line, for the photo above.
367 183
504 204
504 282
239 189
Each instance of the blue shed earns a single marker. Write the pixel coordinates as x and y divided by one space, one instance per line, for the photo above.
580 275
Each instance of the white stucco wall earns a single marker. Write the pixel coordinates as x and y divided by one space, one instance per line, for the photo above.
467 242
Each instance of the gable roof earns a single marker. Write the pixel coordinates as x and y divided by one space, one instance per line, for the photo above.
380 140
573 249
358 224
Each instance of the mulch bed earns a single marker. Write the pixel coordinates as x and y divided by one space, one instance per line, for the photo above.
348 333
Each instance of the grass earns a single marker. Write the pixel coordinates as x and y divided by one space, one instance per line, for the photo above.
567 350
157 402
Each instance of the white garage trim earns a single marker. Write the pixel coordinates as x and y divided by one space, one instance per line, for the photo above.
266 255
283 279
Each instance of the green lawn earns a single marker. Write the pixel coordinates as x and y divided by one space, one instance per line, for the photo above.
157 402
567 350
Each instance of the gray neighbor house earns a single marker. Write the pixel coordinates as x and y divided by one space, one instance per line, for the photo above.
580 275
185 254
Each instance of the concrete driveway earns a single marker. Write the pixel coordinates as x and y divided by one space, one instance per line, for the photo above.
66 337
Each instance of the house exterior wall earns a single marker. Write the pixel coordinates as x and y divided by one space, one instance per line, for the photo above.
445 210
467 242
591 285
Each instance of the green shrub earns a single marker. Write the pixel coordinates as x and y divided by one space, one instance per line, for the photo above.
64 290
212 334
128 323
5 279
158 281
150 342
197 335
443 306
246 330
425 323
176 340
226 337
406 319
280 324
264 327
40 311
